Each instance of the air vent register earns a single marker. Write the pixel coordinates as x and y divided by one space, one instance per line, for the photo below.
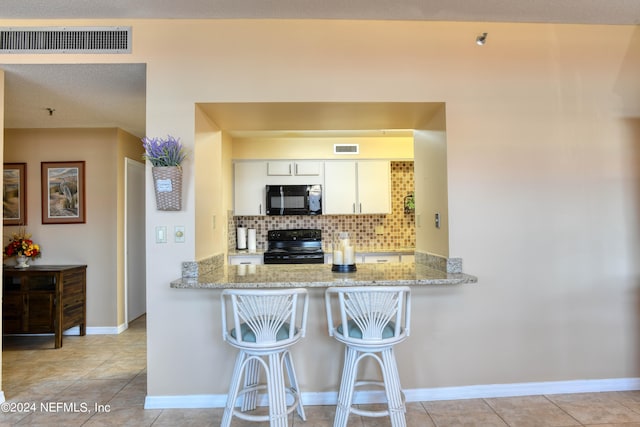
65 40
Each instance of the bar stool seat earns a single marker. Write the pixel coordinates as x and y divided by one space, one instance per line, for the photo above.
372 320
263 324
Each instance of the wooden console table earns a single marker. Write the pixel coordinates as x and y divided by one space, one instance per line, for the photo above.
44 299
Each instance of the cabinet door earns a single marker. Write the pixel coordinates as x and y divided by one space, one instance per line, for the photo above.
340 187
13 309
307 168
41 312
374 187
249 188
279 168
245 259
380 259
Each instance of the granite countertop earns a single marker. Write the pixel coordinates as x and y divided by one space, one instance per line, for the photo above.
320 276
359 251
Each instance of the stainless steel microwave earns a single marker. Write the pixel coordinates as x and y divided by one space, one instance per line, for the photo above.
294 199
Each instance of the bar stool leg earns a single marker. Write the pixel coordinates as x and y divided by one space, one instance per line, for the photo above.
251 379
393 388
276 390
233 390
347 384
294 383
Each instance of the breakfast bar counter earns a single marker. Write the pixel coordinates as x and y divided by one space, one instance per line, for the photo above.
320 276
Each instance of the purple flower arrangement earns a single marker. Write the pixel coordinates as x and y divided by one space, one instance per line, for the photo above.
167 151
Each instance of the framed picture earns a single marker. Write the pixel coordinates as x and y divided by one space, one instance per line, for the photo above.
63 192
14 194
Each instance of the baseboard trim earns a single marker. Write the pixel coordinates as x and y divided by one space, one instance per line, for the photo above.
418 395
98 330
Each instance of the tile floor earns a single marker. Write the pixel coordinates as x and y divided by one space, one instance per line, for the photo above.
109 371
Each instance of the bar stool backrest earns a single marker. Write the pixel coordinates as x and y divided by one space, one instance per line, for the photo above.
264 318
375 315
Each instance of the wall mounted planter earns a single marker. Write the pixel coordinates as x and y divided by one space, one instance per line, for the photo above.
167 183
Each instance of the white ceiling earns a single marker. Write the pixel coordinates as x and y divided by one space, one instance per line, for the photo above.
113 95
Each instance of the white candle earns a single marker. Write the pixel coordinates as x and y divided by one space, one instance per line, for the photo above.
348 255
337 257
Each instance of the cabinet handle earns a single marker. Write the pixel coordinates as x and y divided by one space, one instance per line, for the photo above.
245 262
354 208
289 168
260 208
296 169
382 260
360 207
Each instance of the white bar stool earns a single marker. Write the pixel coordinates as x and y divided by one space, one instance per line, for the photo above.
263 324
372 320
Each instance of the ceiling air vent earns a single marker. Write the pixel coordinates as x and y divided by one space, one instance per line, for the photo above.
65 40
346 148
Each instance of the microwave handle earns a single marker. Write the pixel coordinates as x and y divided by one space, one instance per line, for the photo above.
282 197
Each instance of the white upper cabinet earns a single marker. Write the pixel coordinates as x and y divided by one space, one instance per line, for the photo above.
374 187
294 168
350 187
279 168
249 188
357 187
340 188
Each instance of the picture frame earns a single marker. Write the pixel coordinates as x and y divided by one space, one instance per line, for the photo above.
63 192
14 194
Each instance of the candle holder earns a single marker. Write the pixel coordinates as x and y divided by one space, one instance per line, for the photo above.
344 253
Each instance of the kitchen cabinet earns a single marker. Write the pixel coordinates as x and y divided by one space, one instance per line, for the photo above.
380 259
250 178
249 188
44 299
294 168
245 259
357 187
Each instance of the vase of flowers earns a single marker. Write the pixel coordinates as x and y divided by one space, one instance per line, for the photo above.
166 156
23 248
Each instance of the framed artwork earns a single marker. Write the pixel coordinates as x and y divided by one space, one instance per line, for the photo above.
63 192
14 194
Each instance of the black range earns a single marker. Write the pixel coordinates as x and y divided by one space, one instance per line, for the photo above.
295 246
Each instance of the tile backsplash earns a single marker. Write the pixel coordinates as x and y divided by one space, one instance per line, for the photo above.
398 227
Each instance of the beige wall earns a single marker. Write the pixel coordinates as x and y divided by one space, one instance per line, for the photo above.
431 187
543 182
208 185
322 148
98 243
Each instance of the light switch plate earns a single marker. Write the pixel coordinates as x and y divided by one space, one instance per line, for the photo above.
161 234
